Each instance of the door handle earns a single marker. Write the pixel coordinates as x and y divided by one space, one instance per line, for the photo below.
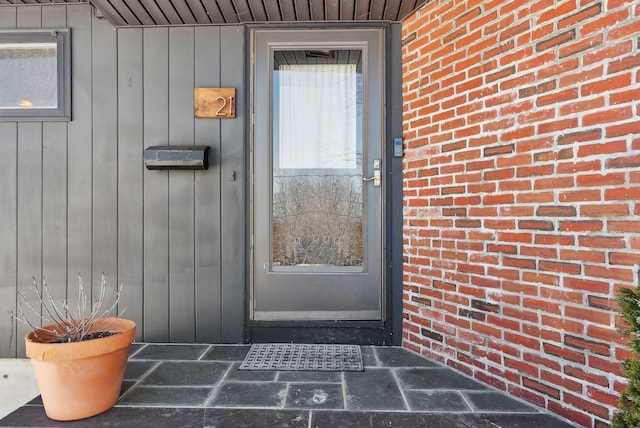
376 174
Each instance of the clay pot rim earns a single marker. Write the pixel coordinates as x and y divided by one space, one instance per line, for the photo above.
125 328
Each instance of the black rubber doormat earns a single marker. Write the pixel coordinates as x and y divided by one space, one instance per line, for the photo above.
309 357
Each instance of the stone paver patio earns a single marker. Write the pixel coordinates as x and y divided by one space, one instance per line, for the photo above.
170 385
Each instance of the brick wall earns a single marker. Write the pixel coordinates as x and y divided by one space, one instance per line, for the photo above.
522 193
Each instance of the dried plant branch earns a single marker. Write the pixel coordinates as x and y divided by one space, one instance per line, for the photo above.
70 325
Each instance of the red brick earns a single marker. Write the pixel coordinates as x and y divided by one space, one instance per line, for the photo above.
624 194
602 148
579 417
580 136
593 256
611 115
508 249
501 74
498 199
589 406
540 32
562 296
586 285
591 315
537 61
498 150
624 162
459 366
603 303
514 186
540 387
536 225
497 125
564 353
515 237
557 97
628 259
601 242
571 167
606 21
553 183
514 30
543 226
622 353
540 360
536 116
564 382
626 63
500 224
505 21
581 76
621 31
526 394
532 171
515 211
620 274
590 345
625 96
582 105
623 129
545 334
589 377
608 210
540 278
583 44
493 49
542 305
515 57
580 226
606 333
487 330
521 367
519 263
602 397
556 211
566 153
455 34
563 324
510 274
558 68
500 174
468 16
586 13
606 85
490 380
554 239
516 82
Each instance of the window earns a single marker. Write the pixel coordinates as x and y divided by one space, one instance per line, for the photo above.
35 75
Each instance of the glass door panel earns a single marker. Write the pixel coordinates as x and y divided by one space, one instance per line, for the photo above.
317 143
317 199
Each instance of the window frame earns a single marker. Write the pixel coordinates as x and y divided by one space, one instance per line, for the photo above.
62 38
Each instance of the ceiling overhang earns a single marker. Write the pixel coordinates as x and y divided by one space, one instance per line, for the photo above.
192 12
123 13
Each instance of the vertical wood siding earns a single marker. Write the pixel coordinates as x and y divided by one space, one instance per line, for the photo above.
75 196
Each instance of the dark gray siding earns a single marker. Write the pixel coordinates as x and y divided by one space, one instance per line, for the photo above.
76 198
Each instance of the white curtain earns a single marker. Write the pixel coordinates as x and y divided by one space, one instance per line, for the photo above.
317 116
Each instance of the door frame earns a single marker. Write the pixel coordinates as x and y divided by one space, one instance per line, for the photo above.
389 330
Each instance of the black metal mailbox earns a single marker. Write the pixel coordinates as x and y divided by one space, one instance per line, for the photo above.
176 157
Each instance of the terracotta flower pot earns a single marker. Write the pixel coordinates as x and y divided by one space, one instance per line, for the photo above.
81 379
